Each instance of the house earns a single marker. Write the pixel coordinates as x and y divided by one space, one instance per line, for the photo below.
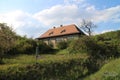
61 33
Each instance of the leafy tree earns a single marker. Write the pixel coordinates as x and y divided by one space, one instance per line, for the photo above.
7 39
88 26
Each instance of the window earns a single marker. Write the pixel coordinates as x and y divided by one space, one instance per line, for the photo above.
51 33
63 31
58 39
70 37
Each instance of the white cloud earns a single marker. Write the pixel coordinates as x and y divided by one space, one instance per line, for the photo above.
22 22
74 1
72 13
107 31
110 14
16 18
57 14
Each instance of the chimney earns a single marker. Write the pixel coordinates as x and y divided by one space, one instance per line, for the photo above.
54 27
61 25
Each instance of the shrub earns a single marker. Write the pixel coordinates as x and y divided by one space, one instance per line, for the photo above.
44 48
62 45
98 51
7 39
72 69
95 48
83 45
24 46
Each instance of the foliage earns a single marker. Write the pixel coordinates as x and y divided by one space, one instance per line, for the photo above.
62 45
48 67
109 71
23 45
84 44
110 39
44 48
99 51
7 39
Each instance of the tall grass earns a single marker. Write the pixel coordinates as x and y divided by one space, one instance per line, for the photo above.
110 71
31 59
49 67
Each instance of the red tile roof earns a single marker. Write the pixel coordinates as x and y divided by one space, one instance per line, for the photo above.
62 30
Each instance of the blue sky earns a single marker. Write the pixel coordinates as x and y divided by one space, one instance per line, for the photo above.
34 17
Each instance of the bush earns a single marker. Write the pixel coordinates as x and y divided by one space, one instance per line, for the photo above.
72 69
28 46
83 45
98 51
95 48
62 45
44 48
23 46
7 39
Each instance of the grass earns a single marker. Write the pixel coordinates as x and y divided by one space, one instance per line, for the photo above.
109 71
42 59
64 51
50 67
28 59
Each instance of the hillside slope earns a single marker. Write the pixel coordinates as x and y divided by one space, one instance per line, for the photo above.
110 71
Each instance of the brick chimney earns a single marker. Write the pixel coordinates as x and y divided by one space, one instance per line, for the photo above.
54 27
61 25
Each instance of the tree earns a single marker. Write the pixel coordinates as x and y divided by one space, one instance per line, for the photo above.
88 26
7 39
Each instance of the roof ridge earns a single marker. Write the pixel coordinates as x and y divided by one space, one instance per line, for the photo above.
63 26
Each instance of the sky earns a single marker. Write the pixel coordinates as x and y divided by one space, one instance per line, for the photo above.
33 17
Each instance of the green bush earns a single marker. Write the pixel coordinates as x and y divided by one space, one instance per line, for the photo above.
23 46
44 48
62 45
72 69
98 51
95 47
28 46
7 39
109 71
83 45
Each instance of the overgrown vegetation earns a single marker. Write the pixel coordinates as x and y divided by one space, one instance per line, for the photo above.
23 45
73 60
7 39
44 48
62 45
99 48
48 67
109 71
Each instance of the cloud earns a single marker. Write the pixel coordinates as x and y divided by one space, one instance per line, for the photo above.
21 22
107 31
16 18
74 1
110 14
73 13
57 14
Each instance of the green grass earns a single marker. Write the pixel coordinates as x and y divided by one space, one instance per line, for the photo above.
110 71
42 59
50 67
64 51
28 59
